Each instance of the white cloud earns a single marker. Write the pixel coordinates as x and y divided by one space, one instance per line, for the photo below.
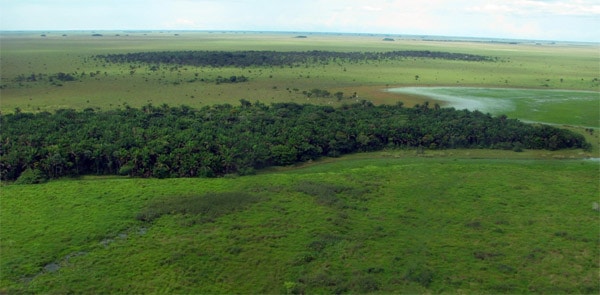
539 7
550 19
181 23
371 8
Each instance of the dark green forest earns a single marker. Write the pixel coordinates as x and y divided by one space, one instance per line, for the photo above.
277 58
164 141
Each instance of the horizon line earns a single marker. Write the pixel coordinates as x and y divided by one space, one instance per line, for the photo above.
422 36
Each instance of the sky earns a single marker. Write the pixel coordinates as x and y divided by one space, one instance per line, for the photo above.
560 20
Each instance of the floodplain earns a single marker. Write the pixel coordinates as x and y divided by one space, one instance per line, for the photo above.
532 105
391 221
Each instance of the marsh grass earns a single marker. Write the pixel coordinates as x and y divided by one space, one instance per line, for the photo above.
206 207
535 105
324 193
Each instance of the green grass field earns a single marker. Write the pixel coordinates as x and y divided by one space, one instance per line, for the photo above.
374 223
397 221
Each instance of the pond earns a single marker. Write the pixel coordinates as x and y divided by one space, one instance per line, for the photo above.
564 107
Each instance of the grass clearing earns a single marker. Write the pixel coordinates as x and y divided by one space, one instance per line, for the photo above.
379 223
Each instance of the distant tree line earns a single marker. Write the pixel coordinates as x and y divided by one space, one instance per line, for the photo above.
277 58
164 141
60 76
231 79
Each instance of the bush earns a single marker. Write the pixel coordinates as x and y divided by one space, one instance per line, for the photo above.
126 169
246 171
365 284
420 274
517 147
31 176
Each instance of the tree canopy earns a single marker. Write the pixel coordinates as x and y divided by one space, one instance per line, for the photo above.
277 58
165 141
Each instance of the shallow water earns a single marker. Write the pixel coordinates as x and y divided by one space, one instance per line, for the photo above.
581 108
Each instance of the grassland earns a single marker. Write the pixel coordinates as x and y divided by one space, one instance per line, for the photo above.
524 65
451 221
385 222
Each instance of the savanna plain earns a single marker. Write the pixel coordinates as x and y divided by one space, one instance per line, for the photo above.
392 219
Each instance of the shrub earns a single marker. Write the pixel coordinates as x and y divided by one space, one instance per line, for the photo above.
246 171
420 274
31 176
126 169
302 259
365 284
517 147
335 283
